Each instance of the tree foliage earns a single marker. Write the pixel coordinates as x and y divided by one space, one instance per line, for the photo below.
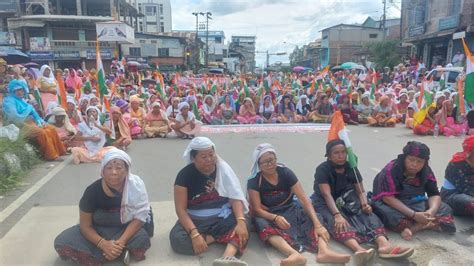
384 53
296 56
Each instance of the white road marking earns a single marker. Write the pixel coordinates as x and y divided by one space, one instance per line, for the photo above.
32 190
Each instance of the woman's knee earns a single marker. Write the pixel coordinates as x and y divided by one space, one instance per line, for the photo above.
180 241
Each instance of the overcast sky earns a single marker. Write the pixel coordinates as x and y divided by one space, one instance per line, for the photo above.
277 21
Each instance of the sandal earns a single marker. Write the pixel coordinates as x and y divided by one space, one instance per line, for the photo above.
229 261
395 253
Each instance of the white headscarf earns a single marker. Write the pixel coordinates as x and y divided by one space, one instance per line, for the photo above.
135 203
58 111
51 78
92 146
209 109
260 150
181 105
227 183
262 108
299 105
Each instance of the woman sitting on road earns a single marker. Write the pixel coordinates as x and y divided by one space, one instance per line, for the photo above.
323 110
137 116
288 225
123 136
186 126
16 110
303 108
209 110
93 133
365 108
286 110
156 122
446 118
458 187
339 197
115 217
66 132
210 205
247 113
349 114
228 111
267 110
383 114
406 196
425 120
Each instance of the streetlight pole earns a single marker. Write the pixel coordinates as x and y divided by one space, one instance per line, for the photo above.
208 17
196 14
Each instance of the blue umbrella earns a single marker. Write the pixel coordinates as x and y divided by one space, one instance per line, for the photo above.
13 56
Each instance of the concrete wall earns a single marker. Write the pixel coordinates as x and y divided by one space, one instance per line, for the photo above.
149 48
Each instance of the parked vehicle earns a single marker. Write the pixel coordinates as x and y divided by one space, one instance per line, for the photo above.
450 76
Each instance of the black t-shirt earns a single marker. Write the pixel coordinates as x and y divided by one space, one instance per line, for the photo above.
202 193
306 108
339 183
94 198
274 195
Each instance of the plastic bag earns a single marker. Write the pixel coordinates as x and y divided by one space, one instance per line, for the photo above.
11 132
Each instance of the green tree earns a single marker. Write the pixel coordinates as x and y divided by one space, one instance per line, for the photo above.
296 56
384 53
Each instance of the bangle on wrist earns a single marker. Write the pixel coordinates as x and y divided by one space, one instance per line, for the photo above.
99 242
192 229
413 215
195 235
274 219
319 226
336 213
241 219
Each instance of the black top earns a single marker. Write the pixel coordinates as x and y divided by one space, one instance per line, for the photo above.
461 176
306 109
274 195
94 198
339 183
202 193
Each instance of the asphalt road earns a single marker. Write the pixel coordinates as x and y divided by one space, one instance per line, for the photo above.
157 161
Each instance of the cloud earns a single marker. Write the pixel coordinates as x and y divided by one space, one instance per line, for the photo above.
275 22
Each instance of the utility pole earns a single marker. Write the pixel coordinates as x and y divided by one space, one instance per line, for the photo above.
196 44
208 17
268 60
384 18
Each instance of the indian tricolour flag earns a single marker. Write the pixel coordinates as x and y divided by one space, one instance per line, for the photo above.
469 79
101 86
338 131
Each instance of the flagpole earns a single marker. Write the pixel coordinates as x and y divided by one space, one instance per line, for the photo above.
359 185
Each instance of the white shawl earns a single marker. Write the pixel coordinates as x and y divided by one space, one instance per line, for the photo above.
227 183
135 203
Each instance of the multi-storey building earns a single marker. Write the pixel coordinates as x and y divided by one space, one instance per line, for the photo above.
63 33
157 15
434 28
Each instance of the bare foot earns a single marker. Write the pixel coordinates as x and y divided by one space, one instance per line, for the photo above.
363 257
406 234
331 256
293 260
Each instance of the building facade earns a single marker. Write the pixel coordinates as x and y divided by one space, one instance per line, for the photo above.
63 33
156 15
245 46
338 43
166 52
432 27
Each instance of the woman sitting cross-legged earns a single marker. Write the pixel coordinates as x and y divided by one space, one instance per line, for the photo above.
186 126
281 221
458 187
210 205
156 122
340 199
123 136
406 196
115 217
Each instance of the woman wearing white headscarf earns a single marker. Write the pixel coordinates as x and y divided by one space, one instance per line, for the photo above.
303 108
47 85
267 110
210 205
282 222
94 136
186 126
209 110
66 132
115 217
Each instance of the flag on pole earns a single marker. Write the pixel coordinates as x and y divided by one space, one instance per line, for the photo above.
101 86
62 91
373 87
460 98
469 79
338 131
